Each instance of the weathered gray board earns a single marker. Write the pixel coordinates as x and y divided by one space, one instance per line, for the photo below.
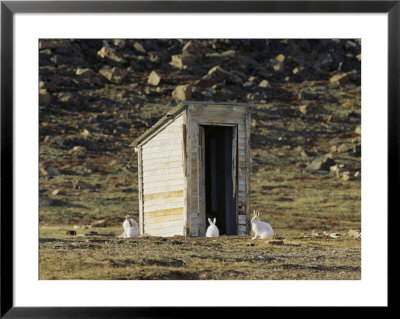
172 195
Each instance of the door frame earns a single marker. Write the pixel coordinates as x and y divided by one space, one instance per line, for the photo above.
202 223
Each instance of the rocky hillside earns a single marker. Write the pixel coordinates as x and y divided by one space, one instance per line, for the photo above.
96 96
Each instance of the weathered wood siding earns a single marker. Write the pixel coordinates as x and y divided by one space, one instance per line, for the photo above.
218 115
163 181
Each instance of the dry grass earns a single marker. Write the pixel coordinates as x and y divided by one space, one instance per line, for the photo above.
301 256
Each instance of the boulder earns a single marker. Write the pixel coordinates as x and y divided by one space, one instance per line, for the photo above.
182 92
276 65
263 84
354 233
180 61
111 54
346 176
217 75
68 98
114 75
322 163
192 47
154 78
48 170
85 72
139 47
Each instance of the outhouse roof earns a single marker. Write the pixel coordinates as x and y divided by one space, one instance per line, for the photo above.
171 114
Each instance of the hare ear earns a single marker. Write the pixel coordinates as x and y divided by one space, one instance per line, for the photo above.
255 213
209 220
215 220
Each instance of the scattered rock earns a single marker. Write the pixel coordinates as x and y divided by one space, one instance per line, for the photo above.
192 47
247 84
354 233
276 65
303 109
68 98
321 163
85 72
182 92
49 170
343 148
341 78
71 232
264 84
89 168
280 58
358 130
56 192
114 75
139 47
154 78
85 133
180 61
216 75
346 176
110 53
78 150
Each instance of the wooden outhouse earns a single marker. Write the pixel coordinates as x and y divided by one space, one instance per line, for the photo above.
194 164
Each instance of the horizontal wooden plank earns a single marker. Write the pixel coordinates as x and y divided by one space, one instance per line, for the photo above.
172 128
168 232
162 177
172 211
157 204
150 208
162 160
162 164
167 220
167 140
209 111
157 184
175 169
177 226
215 114
165 155
164 201
166 188
164 195
171 150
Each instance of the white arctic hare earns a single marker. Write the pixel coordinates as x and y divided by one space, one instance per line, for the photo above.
130 228
261 229
212 230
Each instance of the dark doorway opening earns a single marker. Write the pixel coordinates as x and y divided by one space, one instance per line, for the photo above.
220 178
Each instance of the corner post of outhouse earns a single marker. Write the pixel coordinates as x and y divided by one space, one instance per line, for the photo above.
185 161
248 168
138 150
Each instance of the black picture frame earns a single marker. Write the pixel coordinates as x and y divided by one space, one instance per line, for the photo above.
9 8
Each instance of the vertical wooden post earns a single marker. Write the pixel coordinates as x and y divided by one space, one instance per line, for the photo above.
185 186
140 175
248 127
201 180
